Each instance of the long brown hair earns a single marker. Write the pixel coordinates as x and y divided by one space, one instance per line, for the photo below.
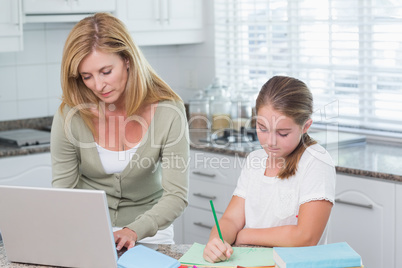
105 32
292 98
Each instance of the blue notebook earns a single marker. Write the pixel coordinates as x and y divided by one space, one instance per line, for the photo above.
143 257
322 256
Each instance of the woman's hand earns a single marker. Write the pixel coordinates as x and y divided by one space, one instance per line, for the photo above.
125 238
217 251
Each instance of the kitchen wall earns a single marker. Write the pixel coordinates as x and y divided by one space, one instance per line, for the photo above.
30 79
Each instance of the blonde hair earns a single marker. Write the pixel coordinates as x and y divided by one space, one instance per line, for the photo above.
292 98
104 32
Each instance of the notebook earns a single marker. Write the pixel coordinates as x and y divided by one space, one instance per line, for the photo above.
323 256
63 227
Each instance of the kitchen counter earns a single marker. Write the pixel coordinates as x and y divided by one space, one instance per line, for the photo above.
174 251
6 151
372 159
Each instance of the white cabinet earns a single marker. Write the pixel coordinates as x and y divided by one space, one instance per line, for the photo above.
364 217
162 22
64 10
212 177
398 226
67 6
10 26
33 170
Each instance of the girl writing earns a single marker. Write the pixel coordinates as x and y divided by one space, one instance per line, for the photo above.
286 190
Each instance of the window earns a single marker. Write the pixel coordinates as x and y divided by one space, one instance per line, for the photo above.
349 53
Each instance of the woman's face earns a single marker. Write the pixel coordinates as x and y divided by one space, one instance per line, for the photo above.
278 134
105 74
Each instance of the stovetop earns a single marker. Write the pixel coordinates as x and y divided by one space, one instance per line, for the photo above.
24 137
244 140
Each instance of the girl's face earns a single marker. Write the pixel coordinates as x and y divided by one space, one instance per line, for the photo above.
105 74
278 134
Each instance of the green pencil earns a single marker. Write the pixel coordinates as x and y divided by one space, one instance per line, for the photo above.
216 220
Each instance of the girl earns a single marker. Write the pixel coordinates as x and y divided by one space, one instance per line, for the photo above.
286 190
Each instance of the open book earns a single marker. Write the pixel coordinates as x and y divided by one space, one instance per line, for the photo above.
241 257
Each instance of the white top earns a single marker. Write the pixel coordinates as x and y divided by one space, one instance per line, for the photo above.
115 161
271 202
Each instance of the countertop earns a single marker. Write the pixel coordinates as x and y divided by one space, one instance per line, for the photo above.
373 159
174 251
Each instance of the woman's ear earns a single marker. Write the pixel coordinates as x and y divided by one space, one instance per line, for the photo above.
307 125
127 61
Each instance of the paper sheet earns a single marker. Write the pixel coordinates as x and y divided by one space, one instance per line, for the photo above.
242 256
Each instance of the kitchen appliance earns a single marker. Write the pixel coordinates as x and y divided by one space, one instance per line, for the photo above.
231 136
244 140
24 137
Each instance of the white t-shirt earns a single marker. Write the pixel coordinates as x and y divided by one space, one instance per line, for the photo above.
115 161
271 202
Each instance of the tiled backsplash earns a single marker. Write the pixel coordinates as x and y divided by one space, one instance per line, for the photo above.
30 79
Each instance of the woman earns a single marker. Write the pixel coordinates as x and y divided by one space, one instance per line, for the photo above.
286 190
121 129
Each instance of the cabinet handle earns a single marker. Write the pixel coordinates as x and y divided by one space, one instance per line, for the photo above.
211 197
204 174
158 4
168 12
337 200
203 225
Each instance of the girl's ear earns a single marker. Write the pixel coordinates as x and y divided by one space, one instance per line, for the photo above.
307 125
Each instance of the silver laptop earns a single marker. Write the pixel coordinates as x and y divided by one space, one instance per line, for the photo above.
60 227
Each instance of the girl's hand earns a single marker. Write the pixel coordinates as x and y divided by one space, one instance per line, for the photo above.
217 251
125 238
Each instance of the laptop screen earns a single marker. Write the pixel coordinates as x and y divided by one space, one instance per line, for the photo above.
53 226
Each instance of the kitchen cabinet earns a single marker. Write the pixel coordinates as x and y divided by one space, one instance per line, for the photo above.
364 217
64 10
162 22
178 230
11 26
212 177
33 170
398 248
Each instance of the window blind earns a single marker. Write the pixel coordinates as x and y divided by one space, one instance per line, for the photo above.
349 53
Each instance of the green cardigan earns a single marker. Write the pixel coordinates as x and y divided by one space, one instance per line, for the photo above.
152 191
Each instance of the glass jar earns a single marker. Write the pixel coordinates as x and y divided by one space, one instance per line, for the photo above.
241 111
199 112
218 95
220 112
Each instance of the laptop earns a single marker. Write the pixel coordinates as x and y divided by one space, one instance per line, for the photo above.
58 227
